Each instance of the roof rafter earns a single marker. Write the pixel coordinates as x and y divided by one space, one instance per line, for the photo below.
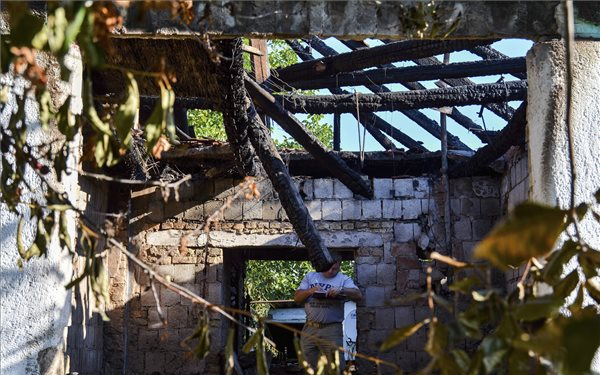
431 126
361 59
373 123
292 126
391 101
276 169
512 135
456 115
415 73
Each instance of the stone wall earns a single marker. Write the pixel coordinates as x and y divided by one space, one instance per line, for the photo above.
387 234
514 190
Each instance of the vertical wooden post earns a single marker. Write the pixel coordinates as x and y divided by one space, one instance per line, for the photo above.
336 131
261 68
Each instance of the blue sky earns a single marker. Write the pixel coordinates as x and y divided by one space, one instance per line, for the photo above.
349 132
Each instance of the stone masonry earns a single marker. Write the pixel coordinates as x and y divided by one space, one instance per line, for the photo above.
387 234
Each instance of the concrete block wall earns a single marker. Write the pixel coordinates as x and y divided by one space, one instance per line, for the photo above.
514 190
386 233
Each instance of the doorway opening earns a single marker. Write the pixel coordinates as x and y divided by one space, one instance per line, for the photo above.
266 286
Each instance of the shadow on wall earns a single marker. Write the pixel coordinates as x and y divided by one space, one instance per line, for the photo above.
137 341
33 307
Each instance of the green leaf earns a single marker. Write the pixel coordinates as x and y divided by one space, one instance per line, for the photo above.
27 30
20 246
229 353
161 119
202 334
482 295
461 358
554 268
437 339
401 334
90 111
593 256
74 26
538 308
564 288
301 358
442 302
588 267
465 285
530 231
578 302
125 116
469 326
261 357
494 351
581 339
252 341
407 299
57 25
63 233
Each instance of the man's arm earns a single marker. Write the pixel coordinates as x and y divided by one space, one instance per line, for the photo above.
301 295
353 294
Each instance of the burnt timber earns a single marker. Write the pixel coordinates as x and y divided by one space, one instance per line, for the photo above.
415 73
361 59
434 98
271 161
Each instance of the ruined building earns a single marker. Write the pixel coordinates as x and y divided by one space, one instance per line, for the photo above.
385 210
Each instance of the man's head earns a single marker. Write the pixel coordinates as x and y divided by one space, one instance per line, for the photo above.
335 267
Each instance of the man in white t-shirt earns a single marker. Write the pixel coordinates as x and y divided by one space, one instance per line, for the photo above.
323 295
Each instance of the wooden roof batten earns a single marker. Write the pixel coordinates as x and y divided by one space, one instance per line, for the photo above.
374 124
415 115
431 126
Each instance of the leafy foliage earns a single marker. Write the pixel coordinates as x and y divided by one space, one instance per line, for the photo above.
524 331
277 280
28 59
207 123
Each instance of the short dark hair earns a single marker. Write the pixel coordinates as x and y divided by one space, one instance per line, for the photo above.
337 257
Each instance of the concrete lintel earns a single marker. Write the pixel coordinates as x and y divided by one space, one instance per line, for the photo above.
343 239
361 19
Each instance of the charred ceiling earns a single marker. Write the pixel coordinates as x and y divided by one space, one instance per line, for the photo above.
246 100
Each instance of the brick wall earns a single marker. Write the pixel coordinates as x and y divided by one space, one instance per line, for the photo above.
514 190
386 233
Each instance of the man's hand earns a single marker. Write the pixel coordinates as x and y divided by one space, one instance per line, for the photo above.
334 292
302 295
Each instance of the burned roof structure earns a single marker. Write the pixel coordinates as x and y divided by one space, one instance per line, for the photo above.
210 75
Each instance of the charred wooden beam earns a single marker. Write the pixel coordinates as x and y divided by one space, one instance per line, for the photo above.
502 110
375 121
513 134
235 99
234 115
289 196
292 126
182 102
361 59
364 120
456 115
415 73
435 98
489 53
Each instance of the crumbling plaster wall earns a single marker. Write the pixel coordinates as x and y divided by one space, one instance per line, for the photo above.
35 306
383 232
549 160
